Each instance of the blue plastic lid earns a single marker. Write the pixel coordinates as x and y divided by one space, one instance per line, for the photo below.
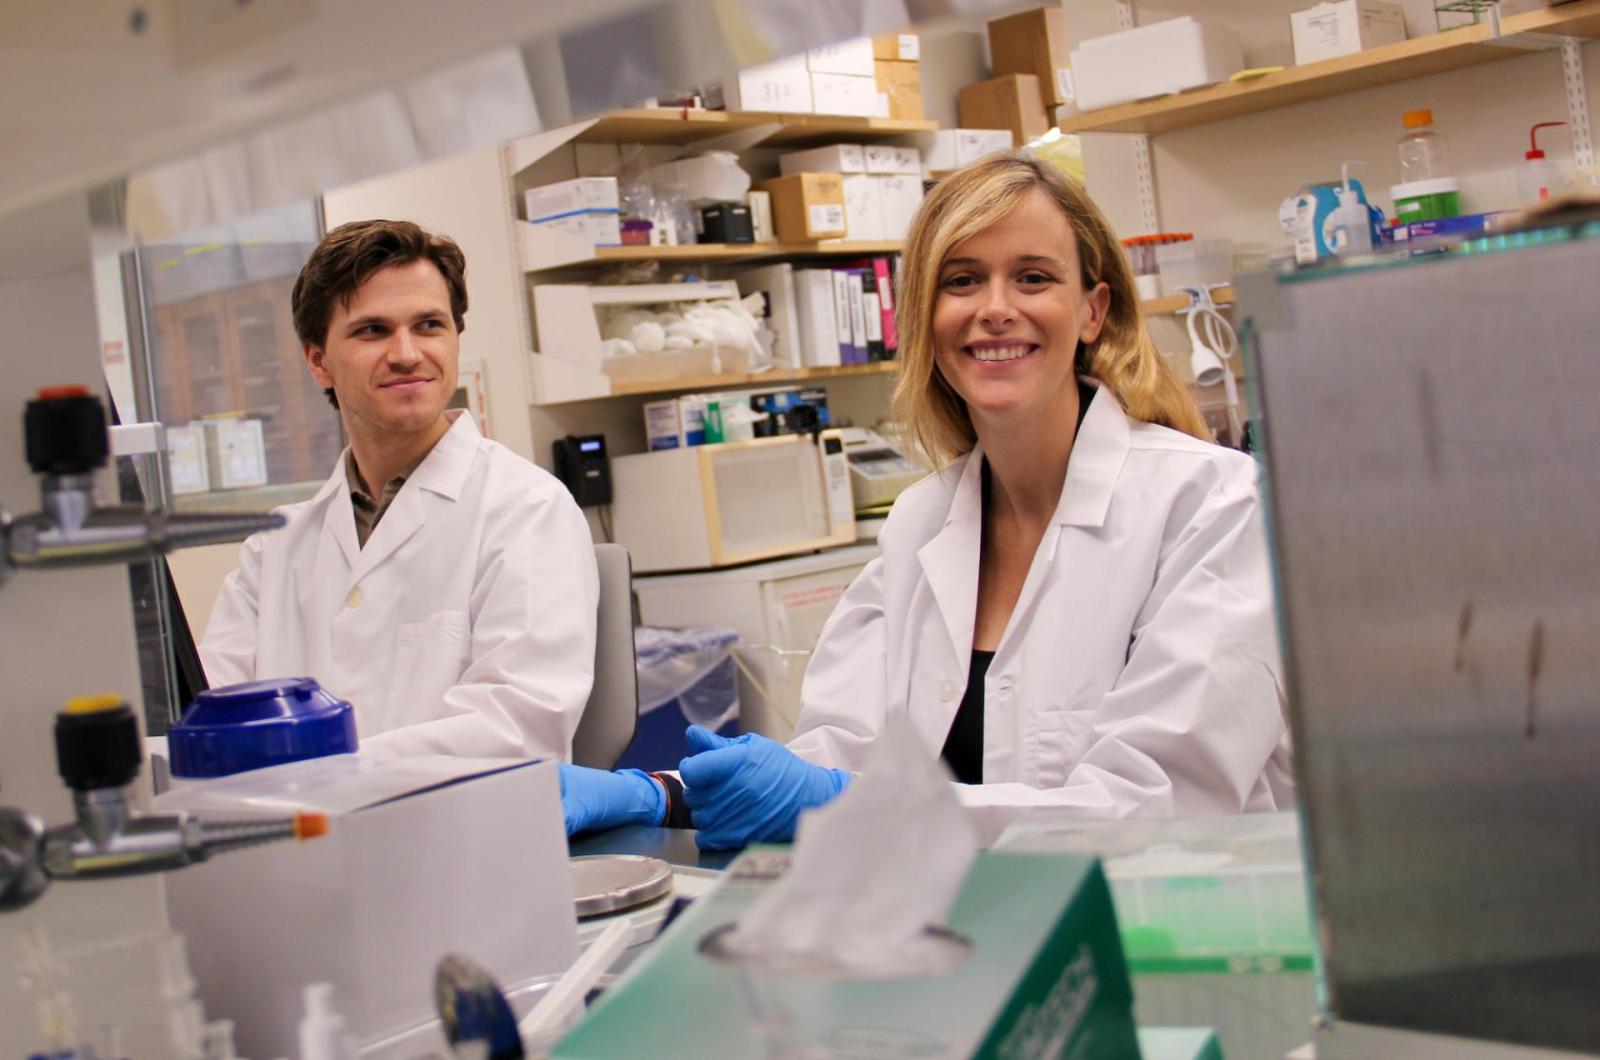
259 724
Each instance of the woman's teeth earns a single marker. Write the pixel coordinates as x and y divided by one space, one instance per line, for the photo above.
1001 353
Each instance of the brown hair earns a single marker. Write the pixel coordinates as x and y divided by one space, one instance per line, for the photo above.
1123 358
350 254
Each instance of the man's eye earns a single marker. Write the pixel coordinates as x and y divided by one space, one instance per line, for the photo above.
432 323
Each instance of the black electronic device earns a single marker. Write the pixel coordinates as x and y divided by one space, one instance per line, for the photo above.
582 466
726 222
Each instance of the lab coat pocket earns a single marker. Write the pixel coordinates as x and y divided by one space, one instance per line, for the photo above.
1058 741
430 657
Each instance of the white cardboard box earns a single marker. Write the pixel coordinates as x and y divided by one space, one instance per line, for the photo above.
570 196
783 87
849 95
567 327
863 209
954 148
1155 60
899 198
423 857
835 158
1344 28
889 158
853 56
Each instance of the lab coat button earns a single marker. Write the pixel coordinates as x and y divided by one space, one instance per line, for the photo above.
354 599
947 690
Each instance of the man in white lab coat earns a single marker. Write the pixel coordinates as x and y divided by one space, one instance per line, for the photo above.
440 583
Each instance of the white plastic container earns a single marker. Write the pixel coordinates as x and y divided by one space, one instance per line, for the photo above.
1194 263
1153 60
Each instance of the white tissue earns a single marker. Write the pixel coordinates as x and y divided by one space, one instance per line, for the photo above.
871 870
648 337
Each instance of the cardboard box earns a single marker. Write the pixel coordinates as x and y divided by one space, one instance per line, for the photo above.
1033 42
852 57
1153 60
1010 102
848 94
1344 28
891 158
807 206
863 212
835 158
902 83
783 87
1042 975
899 198
570 196
953 148
406 874
904 47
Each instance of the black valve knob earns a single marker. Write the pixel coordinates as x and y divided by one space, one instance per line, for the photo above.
65 432
97 743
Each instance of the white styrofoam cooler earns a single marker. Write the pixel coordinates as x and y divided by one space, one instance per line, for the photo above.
1154 60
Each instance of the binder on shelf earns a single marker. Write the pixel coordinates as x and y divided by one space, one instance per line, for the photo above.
843 301
878 273
872 310
858 317
817 318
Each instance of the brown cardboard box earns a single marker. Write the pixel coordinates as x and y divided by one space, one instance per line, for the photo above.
902 83
1034 42
1011 102
807 206
902 47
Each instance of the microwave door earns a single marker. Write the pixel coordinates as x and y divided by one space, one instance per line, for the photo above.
769 500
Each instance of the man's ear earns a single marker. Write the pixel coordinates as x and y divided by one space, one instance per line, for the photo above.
314 362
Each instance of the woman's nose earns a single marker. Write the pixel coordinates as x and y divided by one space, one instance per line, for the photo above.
997 308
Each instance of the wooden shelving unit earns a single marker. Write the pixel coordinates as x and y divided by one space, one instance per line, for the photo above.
705 382
682 126
1168 304
694 253
1402 61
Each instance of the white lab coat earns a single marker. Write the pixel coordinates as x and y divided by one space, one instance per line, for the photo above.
465 626
1138 672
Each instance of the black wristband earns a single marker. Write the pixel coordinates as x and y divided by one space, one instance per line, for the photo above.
678 815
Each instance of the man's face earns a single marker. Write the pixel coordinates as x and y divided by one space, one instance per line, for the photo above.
390 353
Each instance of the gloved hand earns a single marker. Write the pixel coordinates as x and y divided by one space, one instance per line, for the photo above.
594 799
750 789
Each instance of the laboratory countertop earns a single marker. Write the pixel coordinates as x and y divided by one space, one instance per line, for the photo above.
675 846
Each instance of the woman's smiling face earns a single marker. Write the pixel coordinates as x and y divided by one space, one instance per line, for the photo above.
1010 312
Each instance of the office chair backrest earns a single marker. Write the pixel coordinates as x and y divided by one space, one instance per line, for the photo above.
612 713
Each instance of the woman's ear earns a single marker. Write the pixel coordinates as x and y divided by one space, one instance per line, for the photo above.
1097 302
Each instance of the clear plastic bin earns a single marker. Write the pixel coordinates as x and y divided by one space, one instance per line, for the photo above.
1195 263
686 677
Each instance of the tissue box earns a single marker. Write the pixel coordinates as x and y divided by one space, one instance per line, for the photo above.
423 857
1344 28
1045 966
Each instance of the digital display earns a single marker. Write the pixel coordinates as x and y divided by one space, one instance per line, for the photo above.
589 445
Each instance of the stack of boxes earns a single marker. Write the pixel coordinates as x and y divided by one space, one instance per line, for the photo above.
585 208
866 77
1028 55
896 61
879 186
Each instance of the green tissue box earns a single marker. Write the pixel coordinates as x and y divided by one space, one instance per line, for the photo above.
1043 976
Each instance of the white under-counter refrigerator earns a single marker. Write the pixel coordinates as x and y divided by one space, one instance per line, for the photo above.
778 609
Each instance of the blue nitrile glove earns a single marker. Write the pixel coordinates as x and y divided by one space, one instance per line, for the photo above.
749 789
594 799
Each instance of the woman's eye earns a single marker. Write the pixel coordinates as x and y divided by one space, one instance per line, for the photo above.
1034 278
959 281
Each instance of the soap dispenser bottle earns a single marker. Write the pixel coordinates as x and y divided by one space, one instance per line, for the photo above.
1352 221
1538 177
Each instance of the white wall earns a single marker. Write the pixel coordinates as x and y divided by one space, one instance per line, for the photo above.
66 633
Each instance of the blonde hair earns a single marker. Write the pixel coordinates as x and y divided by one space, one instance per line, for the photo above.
1122 358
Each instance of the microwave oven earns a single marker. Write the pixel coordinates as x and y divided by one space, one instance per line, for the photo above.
736 502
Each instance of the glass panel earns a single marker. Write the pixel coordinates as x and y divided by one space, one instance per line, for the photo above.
248 426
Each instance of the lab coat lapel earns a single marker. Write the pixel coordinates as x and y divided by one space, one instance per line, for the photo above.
1098 454
950 559
338 517
442 473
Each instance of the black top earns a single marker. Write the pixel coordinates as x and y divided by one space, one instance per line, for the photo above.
963 748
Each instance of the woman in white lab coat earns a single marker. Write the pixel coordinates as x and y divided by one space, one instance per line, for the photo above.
1076 612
